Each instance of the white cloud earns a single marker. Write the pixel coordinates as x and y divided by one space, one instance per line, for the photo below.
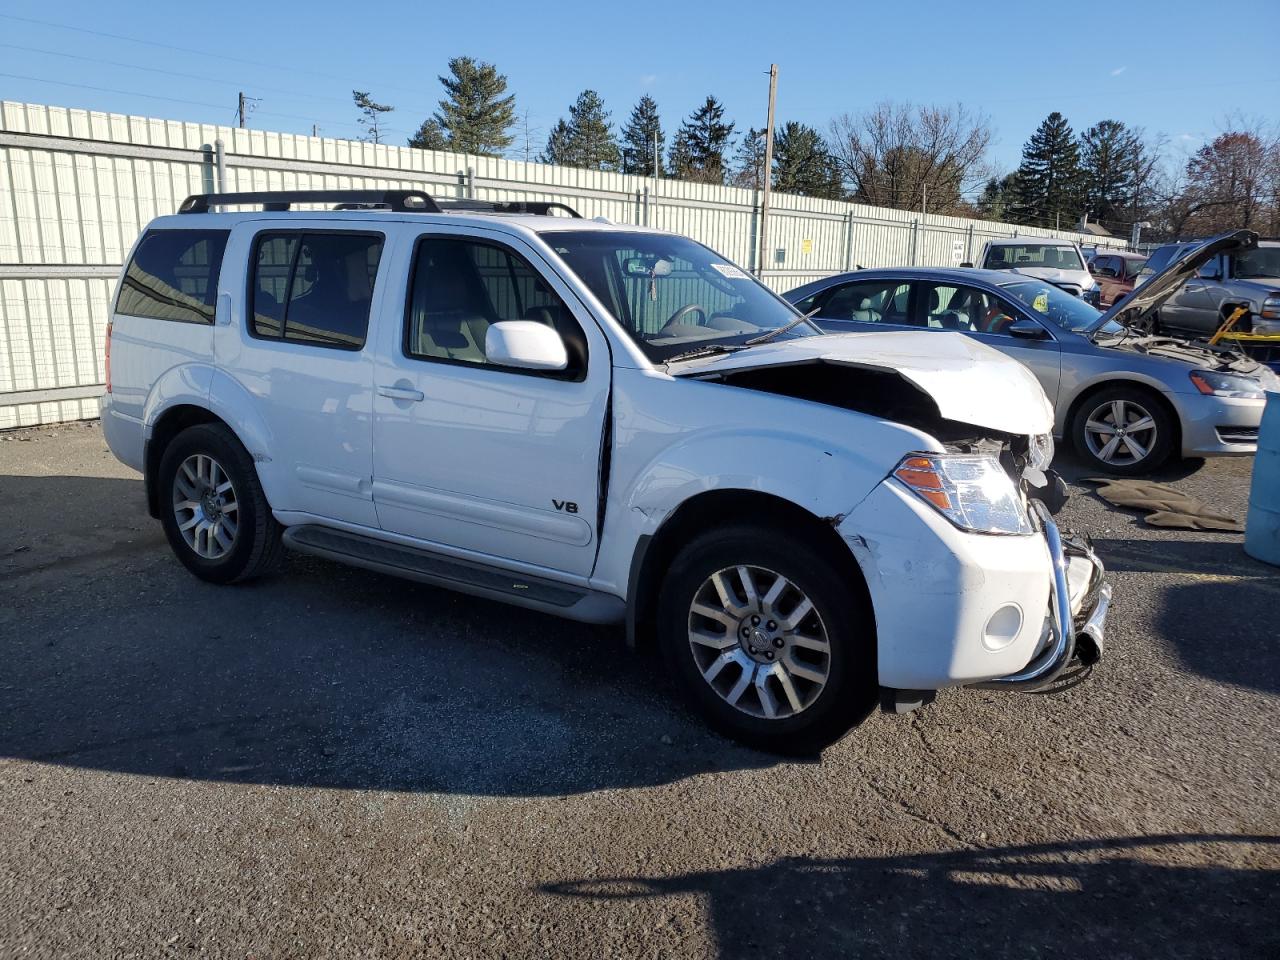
648 80
1118 70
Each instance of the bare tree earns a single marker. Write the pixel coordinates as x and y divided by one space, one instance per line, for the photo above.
1231 182
894 154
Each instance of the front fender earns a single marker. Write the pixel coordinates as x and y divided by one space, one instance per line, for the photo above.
1078 383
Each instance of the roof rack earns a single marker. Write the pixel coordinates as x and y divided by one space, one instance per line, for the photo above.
541 208
399 201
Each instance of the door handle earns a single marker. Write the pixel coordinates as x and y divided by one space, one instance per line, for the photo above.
400 393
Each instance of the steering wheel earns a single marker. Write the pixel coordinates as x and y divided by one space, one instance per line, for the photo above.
687 308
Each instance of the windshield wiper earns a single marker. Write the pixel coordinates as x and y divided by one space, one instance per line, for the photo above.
706 351
779 331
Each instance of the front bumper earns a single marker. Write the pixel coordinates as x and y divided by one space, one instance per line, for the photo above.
1218 426
1079 603
939 594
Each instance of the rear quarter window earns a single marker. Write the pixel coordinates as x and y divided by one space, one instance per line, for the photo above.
173 276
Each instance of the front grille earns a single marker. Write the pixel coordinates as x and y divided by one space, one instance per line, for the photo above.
1237 434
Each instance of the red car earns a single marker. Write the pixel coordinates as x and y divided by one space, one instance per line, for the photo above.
1115 273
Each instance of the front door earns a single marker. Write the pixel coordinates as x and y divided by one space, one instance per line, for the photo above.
500 463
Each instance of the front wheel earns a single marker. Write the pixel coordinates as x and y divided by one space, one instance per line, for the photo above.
767 639
1123 431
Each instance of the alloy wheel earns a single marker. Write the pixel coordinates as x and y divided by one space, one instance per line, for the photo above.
1120 433
759 642
205 506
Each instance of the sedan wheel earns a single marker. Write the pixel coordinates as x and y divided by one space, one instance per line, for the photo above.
1121 433
759 642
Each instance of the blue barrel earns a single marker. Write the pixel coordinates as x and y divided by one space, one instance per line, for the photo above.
1262 530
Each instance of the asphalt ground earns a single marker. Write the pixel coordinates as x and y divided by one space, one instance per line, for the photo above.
336 763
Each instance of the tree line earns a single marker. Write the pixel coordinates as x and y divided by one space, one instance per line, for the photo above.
929 158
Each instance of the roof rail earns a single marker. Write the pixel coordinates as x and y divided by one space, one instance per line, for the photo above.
541 208
398 201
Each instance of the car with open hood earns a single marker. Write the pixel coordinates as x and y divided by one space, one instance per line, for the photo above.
606 423
1126 400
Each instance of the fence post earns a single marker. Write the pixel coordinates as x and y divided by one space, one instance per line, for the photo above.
915 240
968 245
848 241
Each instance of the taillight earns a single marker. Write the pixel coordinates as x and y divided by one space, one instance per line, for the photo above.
107 356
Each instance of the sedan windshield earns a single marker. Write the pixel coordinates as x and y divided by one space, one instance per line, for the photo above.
1025 256
672 295
1055 305
1259 264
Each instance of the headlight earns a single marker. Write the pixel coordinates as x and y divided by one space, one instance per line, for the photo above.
1214 384
1271 308
973 492
1040 451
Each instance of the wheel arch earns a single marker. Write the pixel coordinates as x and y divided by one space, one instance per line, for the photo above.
705 511
1156 394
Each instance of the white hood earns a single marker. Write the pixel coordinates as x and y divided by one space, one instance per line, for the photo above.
1079 278
969 381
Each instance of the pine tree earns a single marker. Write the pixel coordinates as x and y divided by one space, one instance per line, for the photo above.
998 197
1048 191
748 161
475 114
584 140
698 152
430 136
802 163
1110 161
638 138
370 115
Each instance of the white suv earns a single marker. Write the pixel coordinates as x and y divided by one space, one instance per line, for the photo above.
606 423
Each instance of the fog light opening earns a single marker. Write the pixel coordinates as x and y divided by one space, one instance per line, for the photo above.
1003 627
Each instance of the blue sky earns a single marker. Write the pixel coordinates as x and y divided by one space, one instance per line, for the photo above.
1180 69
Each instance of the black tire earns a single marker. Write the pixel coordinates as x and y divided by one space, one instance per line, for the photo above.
1158 447
851 688
256 547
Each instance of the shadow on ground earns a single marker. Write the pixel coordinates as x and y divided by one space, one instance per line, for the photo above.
1150 897
116 658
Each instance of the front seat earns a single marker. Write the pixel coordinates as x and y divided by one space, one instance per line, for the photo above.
449 320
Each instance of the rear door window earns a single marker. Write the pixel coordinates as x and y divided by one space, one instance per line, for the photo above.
174 276
869 301
314 287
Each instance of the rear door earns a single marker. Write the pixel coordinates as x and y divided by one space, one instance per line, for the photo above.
304 353
499 463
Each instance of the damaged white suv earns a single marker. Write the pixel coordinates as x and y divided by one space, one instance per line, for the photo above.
606 423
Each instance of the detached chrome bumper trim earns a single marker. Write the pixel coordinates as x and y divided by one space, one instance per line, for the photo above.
1049 663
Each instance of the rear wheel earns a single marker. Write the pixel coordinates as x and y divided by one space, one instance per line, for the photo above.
212 507
1123 431
767 640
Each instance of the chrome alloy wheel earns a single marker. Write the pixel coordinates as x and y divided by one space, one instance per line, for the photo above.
205 506
759 642
1120 432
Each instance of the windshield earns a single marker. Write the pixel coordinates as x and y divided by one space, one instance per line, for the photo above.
1133 267
1058 307
1023 256
673 295
1259 263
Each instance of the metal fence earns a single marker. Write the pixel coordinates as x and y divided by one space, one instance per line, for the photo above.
77 186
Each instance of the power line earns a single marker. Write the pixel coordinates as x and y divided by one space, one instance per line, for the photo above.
169 46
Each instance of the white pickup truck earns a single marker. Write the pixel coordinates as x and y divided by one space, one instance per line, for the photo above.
606 423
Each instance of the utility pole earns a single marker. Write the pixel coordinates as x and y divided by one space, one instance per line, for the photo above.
315 130
240 110
924 200
768 169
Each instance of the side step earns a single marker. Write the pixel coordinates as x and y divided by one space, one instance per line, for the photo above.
494 583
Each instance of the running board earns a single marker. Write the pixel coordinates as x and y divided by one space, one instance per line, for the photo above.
465 576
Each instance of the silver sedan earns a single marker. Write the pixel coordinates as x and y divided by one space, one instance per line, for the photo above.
1127 402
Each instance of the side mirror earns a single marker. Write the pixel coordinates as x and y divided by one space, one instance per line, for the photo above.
526 344
967 263
1022 329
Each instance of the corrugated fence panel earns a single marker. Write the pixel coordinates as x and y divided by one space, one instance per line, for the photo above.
77 186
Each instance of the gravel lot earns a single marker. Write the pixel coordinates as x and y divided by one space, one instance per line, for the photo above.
337 763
